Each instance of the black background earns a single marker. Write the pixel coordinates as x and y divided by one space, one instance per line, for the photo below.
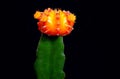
83 47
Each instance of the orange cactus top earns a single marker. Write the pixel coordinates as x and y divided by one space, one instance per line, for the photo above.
55 22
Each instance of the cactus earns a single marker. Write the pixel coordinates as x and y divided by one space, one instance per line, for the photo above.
53 24
50 58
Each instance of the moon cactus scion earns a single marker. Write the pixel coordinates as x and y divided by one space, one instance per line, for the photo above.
55 22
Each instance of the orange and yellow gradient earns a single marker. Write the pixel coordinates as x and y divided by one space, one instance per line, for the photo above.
55 22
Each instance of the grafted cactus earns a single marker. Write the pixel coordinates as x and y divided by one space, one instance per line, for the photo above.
53 24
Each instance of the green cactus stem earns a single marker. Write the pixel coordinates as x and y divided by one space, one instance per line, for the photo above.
50 58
